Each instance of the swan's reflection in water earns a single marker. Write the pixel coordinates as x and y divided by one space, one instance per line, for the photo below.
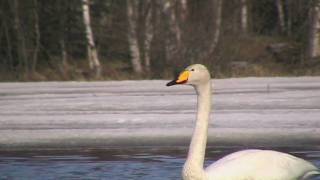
115 164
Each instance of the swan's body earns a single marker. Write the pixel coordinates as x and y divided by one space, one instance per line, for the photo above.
241 165
260 165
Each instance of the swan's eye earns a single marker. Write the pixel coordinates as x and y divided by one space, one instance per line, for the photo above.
192 70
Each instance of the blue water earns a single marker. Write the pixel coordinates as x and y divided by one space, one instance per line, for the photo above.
113 164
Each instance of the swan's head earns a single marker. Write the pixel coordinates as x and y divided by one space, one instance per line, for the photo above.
195 75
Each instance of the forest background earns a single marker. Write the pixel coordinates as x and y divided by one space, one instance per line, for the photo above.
44 40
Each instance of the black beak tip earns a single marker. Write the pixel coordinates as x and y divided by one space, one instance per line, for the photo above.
171 83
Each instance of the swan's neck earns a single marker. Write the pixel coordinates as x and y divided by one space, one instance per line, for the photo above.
197 147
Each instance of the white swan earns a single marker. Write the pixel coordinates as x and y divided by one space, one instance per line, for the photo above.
241 165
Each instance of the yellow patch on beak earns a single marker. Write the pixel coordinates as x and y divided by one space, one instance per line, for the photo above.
183 77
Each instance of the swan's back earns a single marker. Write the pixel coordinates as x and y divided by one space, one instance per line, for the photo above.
260 165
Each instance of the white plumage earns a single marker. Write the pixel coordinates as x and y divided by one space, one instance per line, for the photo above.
242 165
260 165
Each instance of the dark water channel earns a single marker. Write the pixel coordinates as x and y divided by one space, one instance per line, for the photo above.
114 164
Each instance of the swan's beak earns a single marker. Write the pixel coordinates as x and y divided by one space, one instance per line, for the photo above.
181 79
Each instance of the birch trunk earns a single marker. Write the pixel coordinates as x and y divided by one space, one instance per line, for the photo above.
133 37
174 38
184 9
244 16
217 25
281 20
174 22
289 17
216 34
314 36
148 37
21 47
64 55
63 5
94 62
37 36
9 44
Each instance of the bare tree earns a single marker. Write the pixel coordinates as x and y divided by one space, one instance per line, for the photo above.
64 54
63 6
174 24
94 62
148 36
217 25
8 41
244 16
184 9
216 34
288 4
133 36
314 31
174 36
281 20
21 46
37 36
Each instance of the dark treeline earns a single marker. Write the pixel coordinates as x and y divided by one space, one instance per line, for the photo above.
125 39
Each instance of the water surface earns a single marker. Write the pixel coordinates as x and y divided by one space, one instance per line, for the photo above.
114 164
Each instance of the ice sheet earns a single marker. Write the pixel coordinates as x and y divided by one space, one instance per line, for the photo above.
246 111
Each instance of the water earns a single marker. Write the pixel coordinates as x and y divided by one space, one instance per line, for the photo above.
113 164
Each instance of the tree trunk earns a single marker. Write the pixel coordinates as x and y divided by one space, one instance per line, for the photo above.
281 20
174 22
174 37
148 37
37 36
63 8
94 62
184 9
314 36
9 44
64 55
217 25
244 16
289 16
133 37
216 35
21 47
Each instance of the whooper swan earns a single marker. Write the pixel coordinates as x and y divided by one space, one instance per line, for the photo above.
241 165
